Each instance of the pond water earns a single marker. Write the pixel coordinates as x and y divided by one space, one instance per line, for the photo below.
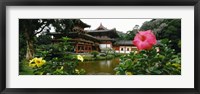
99 67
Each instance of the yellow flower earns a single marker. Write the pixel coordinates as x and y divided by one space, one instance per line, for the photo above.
32 63
79 57
128 73
37 62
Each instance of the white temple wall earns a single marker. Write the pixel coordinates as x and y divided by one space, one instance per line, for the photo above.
102 46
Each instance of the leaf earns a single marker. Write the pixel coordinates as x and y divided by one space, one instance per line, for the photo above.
157 72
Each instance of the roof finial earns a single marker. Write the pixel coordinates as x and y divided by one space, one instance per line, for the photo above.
101 27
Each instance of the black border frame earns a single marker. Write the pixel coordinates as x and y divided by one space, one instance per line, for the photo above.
4 3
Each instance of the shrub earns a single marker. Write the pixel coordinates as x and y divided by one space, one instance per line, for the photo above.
106 50
151 62
102 54
38 66
54 50
94 53
55 61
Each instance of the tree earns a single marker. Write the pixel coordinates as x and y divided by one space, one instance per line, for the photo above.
22 46
43 39
63 25
30 28
131 33
165 29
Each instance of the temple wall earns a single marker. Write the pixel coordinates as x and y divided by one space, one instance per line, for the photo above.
101 46
125 49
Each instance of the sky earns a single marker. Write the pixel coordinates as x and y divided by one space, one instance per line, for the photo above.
122 25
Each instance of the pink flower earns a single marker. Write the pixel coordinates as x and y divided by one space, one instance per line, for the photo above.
144 40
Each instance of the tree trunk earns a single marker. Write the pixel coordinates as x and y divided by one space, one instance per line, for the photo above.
29 50
29 46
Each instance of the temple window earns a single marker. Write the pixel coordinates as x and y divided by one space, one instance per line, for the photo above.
127 49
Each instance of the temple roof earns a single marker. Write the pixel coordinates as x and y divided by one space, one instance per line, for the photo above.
80 23
74 35
101 27
124 43
81 35
129 43
112 33
106 39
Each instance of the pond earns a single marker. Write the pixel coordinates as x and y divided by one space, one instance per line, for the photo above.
99 67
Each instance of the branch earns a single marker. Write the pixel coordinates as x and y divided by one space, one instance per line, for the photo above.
40 30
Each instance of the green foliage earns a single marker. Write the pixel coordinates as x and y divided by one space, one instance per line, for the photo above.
32 27
43 40
24 68
52 67
106 51
151 62
94 53
58 61
105 57
118 54
22 46
166 28
55 67
63 25
60 49
129 35
98 57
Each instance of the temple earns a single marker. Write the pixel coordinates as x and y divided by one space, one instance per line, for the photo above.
106 36
124 46
82 42
101 38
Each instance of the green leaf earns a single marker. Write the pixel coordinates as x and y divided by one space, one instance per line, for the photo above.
157 72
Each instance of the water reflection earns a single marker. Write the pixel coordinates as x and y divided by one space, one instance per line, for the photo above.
100 67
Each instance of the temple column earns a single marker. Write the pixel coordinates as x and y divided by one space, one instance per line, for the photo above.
90 48
84 49
87 48
76 48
